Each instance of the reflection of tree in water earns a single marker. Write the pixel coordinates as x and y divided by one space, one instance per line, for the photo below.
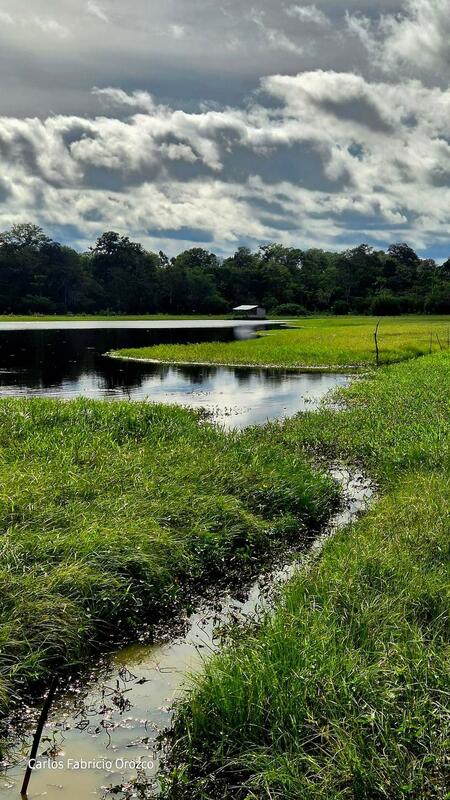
269 377
69 362
50 358
243 375
275 377
113 375
195 374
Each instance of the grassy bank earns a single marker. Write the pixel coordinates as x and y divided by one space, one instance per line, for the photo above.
320 341
109 511
342 692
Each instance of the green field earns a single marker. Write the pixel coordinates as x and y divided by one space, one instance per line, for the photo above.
342 692
326 342
111 512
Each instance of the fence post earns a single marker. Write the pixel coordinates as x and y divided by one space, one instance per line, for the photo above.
375 336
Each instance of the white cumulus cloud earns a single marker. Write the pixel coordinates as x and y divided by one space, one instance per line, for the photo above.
415 39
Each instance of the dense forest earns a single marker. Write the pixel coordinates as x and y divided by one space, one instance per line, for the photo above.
117 275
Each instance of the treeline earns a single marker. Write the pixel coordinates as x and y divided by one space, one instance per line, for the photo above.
117 275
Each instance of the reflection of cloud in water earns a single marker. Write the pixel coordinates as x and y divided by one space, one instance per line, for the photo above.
235 397
240 397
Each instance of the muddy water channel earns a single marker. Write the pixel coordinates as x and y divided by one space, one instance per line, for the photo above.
105 733
104 737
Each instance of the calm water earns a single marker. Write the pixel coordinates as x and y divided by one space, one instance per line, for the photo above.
65 360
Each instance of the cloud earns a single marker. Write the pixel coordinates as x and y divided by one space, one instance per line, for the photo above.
185 51
360 26
96 10
416 39
421 37
177 31
52 27
6 18
137 99
309 14
382 153
273 37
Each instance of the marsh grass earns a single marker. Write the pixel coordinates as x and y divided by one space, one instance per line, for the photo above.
394 421
110 511
327 342
342 692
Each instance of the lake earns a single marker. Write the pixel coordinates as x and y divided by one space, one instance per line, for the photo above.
66 360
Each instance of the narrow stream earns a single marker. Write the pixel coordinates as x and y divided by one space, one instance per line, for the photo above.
114 721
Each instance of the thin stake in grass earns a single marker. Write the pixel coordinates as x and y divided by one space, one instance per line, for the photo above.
37 736
375 336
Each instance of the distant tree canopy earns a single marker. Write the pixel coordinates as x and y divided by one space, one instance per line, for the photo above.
38 275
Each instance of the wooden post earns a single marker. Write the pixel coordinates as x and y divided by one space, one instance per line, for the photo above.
375 336
37 736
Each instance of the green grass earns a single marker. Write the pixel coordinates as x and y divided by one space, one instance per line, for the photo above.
342 692
395 420
108 511
331 342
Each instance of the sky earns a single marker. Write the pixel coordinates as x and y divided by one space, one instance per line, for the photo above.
221 123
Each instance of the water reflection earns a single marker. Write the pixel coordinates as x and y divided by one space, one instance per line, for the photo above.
69 362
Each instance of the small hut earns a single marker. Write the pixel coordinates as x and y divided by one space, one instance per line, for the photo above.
249 312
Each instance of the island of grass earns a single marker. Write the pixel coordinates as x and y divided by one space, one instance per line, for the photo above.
325 343
342 692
